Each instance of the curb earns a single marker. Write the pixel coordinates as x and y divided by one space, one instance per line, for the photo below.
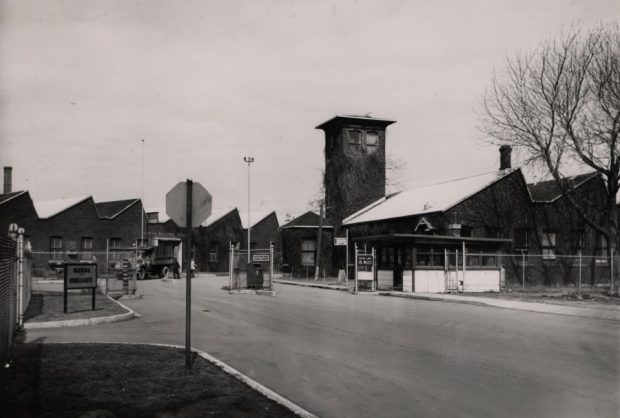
317 285
438 299
265 391
130 314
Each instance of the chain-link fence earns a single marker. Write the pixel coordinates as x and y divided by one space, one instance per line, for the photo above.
8 295
527 270
116 269
258 274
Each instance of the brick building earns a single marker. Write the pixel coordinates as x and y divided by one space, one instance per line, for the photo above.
300 245
265 230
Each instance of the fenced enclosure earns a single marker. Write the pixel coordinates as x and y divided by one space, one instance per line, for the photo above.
8 295
116 269
256 274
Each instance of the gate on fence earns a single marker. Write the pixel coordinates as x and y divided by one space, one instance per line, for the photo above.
257 274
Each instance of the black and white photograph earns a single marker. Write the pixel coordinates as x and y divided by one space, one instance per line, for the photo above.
298 208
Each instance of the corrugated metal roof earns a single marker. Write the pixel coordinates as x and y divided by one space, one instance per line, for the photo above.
48 208
427 199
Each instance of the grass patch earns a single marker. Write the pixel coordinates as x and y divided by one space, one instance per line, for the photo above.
559 295
68 380
48 306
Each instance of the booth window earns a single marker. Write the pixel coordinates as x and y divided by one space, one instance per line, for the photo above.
56 248
372 139
548 245
355 137
308 252
86 248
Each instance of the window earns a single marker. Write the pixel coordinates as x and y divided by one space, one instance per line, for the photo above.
308 252
521 240
601 249
141 243
252 245
548 245
355 137
372 139
87 248
576 240
213 252
492 232
56 248
466 231
152 217
115 249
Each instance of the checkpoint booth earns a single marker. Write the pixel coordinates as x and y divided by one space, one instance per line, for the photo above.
435 263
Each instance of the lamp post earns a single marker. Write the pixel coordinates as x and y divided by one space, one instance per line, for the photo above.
249 160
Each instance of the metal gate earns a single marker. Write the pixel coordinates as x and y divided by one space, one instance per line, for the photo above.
8 295
257 274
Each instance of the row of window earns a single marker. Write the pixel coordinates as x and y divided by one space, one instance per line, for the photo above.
356 137
549 243
57 247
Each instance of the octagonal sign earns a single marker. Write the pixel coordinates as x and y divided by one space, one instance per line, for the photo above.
176 200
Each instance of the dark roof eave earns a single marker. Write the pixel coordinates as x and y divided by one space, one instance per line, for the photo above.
430 238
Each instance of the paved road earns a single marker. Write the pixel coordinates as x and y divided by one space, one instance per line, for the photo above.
341 355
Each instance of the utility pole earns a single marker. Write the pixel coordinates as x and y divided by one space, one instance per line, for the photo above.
318 243
249 160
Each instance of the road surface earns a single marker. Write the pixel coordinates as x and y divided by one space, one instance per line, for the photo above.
343 355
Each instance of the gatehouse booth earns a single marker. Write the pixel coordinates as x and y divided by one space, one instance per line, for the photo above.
436 263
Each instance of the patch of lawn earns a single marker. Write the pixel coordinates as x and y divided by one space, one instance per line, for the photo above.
68 380
48 306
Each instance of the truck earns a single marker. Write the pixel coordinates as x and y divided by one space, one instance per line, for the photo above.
157 260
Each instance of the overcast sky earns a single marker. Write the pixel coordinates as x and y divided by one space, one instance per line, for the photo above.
205 83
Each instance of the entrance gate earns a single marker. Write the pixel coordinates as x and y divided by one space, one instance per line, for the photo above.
257 274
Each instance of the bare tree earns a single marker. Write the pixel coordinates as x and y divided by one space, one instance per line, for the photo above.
559 105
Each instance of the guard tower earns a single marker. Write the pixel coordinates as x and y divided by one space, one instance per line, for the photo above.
354 164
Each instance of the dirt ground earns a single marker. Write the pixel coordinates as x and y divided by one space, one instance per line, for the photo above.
115 380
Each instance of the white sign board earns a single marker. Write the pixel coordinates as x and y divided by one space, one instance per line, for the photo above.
340 241
260 257
176 201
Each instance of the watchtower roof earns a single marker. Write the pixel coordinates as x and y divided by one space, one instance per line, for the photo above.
340 120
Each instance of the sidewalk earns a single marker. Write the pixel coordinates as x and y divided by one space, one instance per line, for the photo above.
609 312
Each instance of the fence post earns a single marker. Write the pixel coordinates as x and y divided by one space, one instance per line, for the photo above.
231 260
522 270
271 265
579 253
20 277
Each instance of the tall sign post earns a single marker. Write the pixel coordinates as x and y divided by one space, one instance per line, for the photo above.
188 205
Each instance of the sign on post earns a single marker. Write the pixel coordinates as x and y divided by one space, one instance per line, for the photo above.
176 207
364 260
188 204
260 257
79 276
340 241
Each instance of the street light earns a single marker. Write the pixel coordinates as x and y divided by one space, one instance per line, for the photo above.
249 160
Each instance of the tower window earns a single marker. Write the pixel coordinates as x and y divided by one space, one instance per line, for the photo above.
355 137
372 139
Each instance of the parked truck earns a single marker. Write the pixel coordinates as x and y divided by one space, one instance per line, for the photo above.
157 260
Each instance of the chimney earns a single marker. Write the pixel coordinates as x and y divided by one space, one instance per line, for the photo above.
504 157
7 179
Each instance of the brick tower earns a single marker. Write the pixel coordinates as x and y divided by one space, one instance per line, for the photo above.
354 164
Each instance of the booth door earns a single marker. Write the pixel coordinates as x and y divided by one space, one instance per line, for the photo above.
399 265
